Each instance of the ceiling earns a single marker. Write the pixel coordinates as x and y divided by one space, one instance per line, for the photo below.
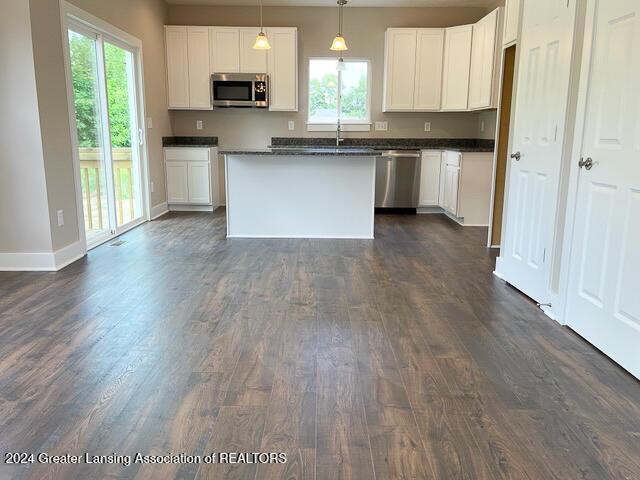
332 3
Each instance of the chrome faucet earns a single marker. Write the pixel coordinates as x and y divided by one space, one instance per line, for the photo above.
338 131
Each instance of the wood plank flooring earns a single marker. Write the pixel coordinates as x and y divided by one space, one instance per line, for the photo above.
398 358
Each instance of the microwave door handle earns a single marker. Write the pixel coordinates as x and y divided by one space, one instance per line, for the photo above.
253 92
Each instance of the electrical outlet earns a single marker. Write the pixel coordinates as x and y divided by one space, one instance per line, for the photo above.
292 125
60 218
152 187
427 126
198 124
149 122
382 126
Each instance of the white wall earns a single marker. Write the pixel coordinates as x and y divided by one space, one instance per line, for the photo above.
24 215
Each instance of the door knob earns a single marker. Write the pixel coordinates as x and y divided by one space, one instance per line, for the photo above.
586 163
516 156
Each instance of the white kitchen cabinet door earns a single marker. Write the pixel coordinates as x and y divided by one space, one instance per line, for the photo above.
483 51
198 62
224 49
251 61
452 183
283 69
511 21
198 179
443 181
177 182
456 67
428 76
400 69
177 66
430 178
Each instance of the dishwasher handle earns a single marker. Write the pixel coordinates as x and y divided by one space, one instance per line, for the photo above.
400 153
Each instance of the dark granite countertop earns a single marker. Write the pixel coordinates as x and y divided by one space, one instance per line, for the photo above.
458 144
204 142
305 151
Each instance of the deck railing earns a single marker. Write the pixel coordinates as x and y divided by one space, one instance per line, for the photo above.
93 194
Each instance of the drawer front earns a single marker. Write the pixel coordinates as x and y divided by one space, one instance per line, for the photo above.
186 154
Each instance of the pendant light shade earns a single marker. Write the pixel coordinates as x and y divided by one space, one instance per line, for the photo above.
339 43
262 42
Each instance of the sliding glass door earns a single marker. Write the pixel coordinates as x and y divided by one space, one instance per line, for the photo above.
108 133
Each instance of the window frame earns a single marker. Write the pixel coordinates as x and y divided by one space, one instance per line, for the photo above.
347 124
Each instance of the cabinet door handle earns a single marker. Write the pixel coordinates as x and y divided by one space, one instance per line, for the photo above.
516 156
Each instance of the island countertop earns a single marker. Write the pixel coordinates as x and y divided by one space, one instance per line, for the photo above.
306 151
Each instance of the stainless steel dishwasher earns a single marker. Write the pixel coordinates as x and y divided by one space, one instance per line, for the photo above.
398 179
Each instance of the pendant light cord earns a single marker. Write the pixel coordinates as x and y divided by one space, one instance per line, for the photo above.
340 19
261 30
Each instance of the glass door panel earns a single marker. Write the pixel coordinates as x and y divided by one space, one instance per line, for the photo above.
83 52
123 126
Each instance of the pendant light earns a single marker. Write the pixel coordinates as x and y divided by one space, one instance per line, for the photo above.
262 42
339 43
340 67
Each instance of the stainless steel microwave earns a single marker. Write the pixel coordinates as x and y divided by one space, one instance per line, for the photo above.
248 90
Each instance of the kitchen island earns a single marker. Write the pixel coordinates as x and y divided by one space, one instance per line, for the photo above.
300 192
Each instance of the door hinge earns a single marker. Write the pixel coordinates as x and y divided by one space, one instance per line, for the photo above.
540 305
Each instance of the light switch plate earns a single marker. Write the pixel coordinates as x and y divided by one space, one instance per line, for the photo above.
482 126
382 126
60 218
198 124
427 126
292 125
149 122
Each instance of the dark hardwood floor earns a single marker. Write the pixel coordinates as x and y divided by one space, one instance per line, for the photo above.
399 358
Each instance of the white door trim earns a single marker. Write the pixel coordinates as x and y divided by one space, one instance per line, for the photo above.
70 13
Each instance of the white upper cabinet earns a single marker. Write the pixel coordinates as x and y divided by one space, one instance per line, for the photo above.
224 47
282 67
483 54
251 61
198 61
177 66
187 52
428 77
511 21
400 69
457 62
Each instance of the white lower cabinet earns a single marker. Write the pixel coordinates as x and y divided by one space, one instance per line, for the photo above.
192 178
457 182
430 178
198 179
177 183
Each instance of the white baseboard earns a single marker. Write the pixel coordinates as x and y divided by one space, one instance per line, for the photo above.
42 261
192 208
69 254
159 210
27 262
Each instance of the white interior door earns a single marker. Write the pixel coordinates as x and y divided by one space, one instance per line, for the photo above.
603 300
540 113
